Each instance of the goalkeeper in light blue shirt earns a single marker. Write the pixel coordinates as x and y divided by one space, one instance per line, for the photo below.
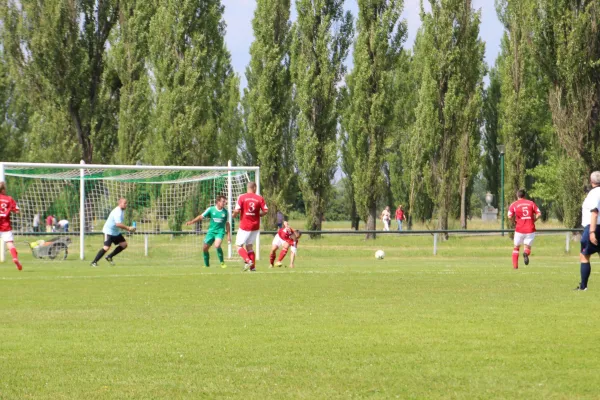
112 233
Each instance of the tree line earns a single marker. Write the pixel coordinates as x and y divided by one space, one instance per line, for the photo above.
122 81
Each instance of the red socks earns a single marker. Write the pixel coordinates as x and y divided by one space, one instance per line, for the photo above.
272 258
516 258
527 251
244 254
282 254
15 256
252 256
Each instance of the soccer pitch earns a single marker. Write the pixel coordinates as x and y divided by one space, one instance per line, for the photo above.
343 325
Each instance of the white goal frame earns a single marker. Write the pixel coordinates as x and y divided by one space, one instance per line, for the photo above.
82 167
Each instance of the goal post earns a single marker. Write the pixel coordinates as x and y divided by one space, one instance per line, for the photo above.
160 200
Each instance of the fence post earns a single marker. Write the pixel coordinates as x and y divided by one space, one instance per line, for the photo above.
435 237
2 259
146 245
568 242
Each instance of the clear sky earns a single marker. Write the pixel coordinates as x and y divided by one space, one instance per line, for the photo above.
239 13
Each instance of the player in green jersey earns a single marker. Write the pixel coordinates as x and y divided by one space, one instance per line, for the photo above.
219 226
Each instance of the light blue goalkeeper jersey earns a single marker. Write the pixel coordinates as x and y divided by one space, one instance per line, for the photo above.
110 226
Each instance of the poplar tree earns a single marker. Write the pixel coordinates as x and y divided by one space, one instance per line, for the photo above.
268 101
56 50
191 72
321 39
449 101
376 53
565 37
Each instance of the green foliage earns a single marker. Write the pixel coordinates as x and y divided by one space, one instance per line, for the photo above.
321 40
491 132
14 116
57 56
565 38
371 85
129 50
450 54
191 68
524 116
268 101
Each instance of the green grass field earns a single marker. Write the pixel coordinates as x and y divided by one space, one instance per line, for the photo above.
461 325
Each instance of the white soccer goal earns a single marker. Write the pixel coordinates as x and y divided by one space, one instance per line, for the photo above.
160 200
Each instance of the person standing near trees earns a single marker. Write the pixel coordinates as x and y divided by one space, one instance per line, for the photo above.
386 218
400 216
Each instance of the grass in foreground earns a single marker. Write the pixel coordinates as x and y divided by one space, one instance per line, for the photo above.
342 325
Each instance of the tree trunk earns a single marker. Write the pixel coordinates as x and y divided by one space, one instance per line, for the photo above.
443 225
463 203
315 216
371 219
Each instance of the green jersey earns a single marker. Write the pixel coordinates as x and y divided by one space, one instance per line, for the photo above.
218 219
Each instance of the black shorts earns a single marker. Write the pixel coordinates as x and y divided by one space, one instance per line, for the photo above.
110 239
587 247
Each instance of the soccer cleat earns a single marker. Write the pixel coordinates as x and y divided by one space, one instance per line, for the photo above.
278 264
526 258
247 266
207 266
253 269
19 265
110 260
94 264
579 288
223 265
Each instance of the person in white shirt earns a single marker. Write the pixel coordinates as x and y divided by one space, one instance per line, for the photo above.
112 233
591 232
64 225
36 222
386 217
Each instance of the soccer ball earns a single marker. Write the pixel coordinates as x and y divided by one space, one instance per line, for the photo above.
379 254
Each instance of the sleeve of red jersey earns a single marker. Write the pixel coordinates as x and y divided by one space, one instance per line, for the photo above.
511 210
263 205
14 206
238 204
536 209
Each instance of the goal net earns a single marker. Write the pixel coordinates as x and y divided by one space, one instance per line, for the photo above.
160 201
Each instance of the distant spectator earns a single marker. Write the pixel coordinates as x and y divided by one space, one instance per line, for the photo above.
400 216
386 217
49 225
280 218
54 223
63 224
36 222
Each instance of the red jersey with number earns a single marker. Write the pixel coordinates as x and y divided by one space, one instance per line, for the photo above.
7 205
524 212
286 235
250 205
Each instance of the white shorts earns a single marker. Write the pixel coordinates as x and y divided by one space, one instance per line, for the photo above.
7 236
245 237
524 238
278 241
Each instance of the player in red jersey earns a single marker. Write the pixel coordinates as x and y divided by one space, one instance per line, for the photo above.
524 212
251 206
7 206
285 239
